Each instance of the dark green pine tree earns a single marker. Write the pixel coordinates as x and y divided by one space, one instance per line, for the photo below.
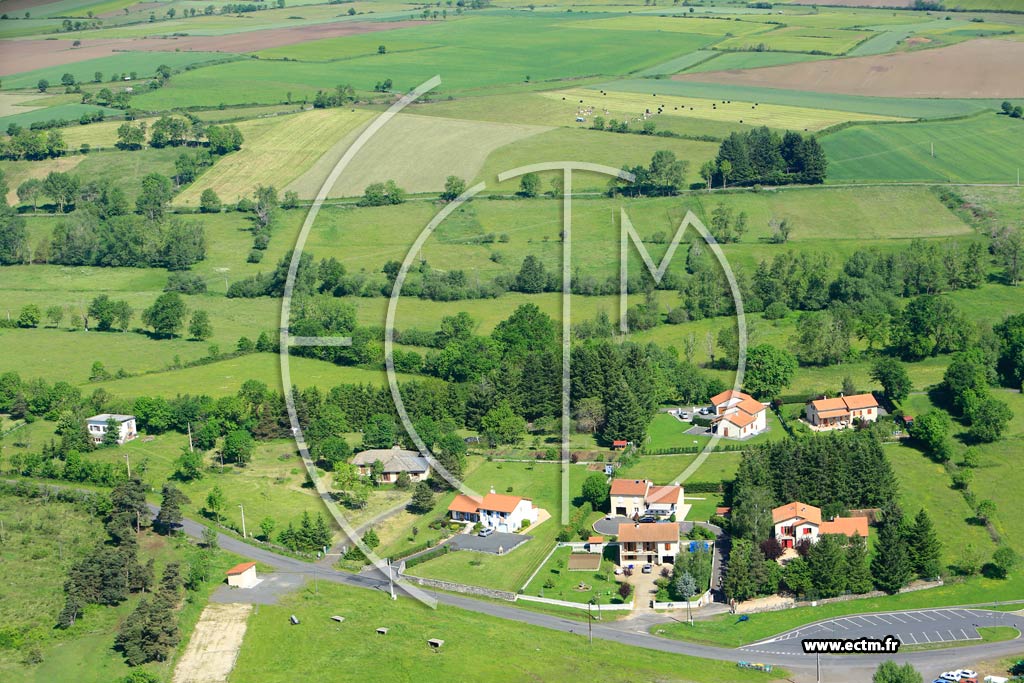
170 514
892 567
624 417
734 150
925 546
813 164
858 572
130 639
827 563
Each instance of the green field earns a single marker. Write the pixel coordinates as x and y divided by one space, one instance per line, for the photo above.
272 652
983 148
68 112
726 61
798 39
479 52
144 64
593 146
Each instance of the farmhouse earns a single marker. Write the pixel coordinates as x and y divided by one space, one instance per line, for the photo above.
840 412
243 575
97 426
656 543
395 461
738 415
494 511
639 497
798 521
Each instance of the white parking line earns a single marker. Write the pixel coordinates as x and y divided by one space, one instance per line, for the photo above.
966 637
896 617
939 634
951 636
911 636
927 616
881 618
926 637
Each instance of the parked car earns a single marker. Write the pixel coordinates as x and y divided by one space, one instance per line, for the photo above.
647 568
648 519
484 533
685 415
967 673
951 676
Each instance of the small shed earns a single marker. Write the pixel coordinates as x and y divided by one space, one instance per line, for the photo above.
243 575
619 444
435 643
338 618
382 631
595 544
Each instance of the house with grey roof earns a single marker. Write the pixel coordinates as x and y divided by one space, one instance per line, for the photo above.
395 460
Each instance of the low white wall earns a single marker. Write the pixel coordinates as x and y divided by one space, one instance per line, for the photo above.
578 605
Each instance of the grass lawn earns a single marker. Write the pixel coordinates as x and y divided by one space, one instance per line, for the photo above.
271 653
727 61
926 484
601 583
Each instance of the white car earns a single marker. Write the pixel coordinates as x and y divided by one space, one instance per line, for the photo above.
967 673
951 676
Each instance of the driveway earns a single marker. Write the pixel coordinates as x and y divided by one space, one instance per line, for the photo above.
497 543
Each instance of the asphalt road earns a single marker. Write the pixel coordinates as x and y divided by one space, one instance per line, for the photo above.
841 668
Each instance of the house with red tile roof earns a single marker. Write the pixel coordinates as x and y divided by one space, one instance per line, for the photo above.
656 543
841 412
738 415
798 521
639 497
495 511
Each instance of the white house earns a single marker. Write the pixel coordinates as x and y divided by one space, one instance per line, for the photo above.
656 543
395 461
794 522
840 412
639 497
97 426
797 521
738 415
243 575
503 513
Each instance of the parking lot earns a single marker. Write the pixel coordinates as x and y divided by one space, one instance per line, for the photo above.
497 543
919 627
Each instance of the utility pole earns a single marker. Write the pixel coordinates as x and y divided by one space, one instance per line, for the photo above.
244 535
590 623
933 150
190 448
128 464
391 581
316 581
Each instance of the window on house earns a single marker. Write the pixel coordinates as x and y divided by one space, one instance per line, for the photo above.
807 530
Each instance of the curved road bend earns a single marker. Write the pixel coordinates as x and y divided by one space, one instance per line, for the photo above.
842 668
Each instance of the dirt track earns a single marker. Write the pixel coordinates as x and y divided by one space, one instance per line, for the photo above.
977 68
24 55
214 645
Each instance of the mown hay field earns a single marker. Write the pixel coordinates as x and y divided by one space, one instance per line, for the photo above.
633 105
276 151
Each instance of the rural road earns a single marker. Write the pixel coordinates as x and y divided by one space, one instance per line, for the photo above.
840 668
